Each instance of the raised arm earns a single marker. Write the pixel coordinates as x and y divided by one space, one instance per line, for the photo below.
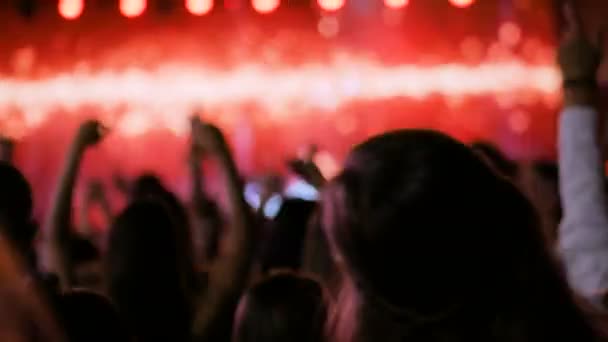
307 169
583 238
59 221
95 195
206 218
230 273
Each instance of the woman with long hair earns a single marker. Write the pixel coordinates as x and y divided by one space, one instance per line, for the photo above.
436 247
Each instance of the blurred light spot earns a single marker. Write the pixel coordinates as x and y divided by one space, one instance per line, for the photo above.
300 189
519 122
266 6
252 195
132 8
499 51
23 60
199 7
327 164
396 3
273 205
70 9
509 33
462 3
328 27
331 5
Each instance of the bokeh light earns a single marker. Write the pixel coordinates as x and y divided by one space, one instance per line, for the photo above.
71 9
328 26
132 8
331 5
462 3
396 3
265 6
509 33
199 7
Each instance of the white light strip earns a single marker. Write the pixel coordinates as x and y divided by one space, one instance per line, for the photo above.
168 94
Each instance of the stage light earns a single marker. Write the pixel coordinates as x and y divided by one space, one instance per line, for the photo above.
396 3
70 9
265 6
199 7
132 8
331 5
462 3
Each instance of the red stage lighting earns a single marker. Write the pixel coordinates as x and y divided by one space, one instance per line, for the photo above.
199 7
462 3
396 3
265 6
331 5
132 8
70 9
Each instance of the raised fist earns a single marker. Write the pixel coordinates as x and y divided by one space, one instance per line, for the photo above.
90 133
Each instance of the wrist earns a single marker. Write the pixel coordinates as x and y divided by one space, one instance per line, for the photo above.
581 96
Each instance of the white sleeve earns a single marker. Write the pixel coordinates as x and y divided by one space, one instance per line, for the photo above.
583 241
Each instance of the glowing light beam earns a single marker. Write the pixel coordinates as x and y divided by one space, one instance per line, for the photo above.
168 94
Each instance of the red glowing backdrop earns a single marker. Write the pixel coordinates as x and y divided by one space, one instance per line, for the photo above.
276 75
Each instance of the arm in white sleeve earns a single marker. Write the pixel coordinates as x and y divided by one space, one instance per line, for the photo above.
583 239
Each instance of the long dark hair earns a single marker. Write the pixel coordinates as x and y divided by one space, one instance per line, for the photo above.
436 247
144 275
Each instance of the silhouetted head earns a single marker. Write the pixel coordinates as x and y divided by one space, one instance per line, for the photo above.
87 264
150 187
88 317
285 243
147 185
143 272
16 211
283 307
434 244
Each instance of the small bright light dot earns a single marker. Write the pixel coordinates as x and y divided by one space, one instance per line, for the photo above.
132 8
328 27
266 6
331 5
199 7
71 9
462 3
396 3
509 33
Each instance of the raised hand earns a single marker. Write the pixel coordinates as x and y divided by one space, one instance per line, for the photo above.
90 133
211 140
579 59
306 168
59 220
